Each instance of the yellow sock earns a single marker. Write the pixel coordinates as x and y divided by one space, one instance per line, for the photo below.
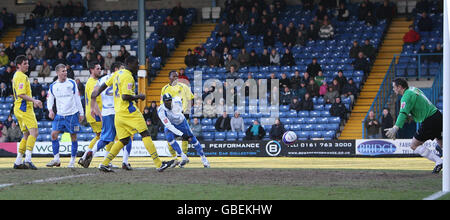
184 147
172 151
30 142
93 141
150 146
23 145
109 146
113 153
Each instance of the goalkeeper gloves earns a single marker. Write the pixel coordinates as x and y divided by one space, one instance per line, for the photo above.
391 132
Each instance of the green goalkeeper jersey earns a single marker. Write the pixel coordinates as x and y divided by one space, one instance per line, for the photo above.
414 103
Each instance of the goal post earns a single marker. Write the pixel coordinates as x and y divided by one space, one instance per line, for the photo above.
446 100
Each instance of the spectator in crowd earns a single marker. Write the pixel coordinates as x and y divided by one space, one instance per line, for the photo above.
152 128
264 59
40 51
36 88
31 63
274 58
190 60
330 96
371 20
80 86
153 111
202 59
125 31
312 88
222 45
361 63
425 23
422 6
243 57
4 60
295 105
11 51
269 39
78 10
341 79
254 28
209 110
295 81
160 50
112 32
237 41
284 81
319 79
277 130
56 33
237 123
213 59
74 58
230 61
342 13
363 11
13 134
60 59
300 39
313 68
326 31
255 131
386 121
411 37
30 23
385 11
323 89
338 109
39 9
355 49
242 16
196 127
223 29
232 74
368 50
350 90
109 60
437 58
31 50
312 32
287 59
285 96
4 91
45 69
306 78
3 132
373 126
51 53
21 49
253 59
182 76
307 103
223 123
287 37
8 121
70 73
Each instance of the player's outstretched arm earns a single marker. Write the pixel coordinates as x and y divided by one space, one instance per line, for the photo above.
95 110
36 102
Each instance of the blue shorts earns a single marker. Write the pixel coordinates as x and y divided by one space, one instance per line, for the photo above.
108 129
183 127
69 124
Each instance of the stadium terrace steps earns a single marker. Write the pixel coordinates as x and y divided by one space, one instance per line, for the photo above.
10 36
392 44
197 35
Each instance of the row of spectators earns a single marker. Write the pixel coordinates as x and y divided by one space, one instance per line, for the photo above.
59 10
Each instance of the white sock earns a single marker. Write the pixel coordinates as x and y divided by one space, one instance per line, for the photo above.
125 156
72 160
106 154
183 156
18 159
56 157
28 156
425 152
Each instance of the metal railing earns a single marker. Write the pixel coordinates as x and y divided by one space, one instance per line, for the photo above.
420 60
382 96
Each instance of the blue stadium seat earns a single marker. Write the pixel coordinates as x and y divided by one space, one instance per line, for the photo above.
208 136
231 136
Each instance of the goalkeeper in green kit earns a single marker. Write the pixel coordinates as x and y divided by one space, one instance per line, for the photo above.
415 103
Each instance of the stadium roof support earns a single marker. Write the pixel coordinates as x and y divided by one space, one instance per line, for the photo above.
141 31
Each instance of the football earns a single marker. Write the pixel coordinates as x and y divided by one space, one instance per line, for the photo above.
289 137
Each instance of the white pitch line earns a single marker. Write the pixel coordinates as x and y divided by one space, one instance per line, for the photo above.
436 195
47 180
